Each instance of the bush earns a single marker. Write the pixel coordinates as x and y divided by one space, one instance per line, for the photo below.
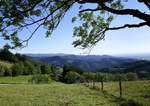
2 70
131 76
8 72
29 68
46 69
72 77
17 69
40 79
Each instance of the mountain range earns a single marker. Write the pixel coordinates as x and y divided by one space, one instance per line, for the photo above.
90 63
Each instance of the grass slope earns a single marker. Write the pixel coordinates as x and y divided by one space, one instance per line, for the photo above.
138 91
54 94
59 94
15 80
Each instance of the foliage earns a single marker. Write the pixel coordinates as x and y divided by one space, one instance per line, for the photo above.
56 73
72 77
6 55
5 64
40 79
68 68
2 70
17 69
14 65
131 76
29 68
45 69
17 16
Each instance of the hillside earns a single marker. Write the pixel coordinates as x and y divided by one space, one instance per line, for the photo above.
89 63
5 64
141 67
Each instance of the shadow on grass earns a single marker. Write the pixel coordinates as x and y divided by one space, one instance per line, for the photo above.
120 100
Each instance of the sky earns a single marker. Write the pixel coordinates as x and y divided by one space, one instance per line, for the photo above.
124 41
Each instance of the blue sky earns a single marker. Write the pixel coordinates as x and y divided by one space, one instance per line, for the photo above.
125 41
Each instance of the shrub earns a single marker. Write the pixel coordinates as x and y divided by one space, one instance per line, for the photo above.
17 69
29 68
8 72
131 76
2 70
40 79
72 77
46 69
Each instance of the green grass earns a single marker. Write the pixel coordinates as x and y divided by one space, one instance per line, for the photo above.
54 94
59 94
15 80
138 91
5 64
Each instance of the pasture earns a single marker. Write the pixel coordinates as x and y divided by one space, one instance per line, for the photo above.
59 94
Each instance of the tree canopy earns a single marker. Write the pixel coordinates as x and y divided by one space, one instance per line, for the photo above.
17 15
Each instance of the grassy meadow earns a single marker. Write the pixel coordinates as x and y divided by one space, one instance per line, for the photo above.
59 94
137 91
15 80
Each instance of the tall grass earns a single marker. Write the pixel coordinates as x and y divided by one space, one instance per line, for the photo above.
133 91
15 80
53 94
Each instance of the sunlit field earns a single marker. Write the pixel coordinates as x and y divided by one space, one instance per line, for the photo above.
138 91
59 94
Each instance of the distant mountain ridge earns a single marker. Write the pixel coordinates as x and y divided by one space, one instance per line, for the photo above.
44 54
141 67
139 56
89 63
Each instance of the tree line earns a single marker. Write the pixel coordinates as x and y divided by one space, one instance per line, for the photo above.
68 74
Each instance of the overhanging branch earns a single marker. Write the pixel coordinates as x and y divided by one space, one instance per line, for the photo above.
128 26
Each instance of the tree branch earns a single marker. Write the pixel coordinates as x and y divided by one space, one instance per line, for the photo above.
133 12
128 26
96 9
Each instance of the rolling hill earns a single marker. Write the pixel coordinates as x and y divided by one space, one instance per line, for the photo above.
141 67
89 63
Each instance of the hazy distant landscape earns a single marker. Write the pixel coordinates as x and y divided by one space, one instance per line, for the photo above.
89 63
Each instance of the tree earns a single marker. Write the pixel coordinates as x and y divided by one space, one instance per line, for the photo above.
45 69
72 77
131 76
29 68
6 55
56 73
40 79
2 70
18 15
17 69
